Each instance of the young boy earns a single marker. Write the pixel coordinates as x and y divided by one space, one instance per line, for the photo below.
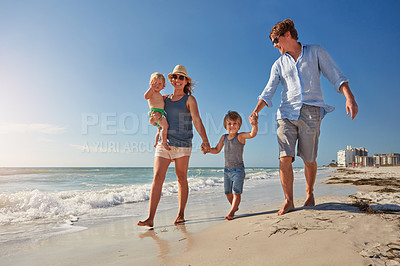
234 167
156 104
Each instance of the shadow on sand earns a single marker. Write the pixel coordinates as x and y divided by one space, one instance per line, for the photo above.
328 206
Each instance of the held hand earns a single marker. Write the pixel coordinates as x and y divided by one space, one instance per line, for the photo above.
253 116
351 107
205 147
253 119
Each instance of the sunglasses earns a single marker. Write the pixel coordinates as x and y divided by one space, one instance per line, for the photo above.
275 40
176 77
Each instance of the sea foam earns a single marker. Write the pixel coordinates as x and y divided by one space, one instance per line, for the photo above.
54 206
35 204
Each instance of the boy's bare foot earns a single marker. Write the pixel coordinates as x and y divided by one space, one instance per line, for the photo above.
231 214
287 207
229 218
166 146
146 222
179 220
310 201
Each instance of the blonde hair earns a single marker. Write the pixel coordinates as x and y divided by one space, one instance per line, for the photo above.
189 87
234 116
158 76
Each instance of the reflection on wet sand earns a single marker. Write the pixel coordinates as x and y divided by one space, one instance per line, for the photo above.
164 246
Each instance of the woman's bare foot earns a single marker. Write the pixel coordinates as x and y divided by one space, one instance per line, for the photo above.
179 220
310 201
287 207
166 146
146 222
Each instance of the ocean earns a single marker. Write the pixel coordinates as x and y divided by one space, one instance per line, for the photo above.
37 203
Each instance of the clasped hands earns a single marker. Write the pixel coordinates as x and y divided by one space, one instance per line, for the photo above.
205 147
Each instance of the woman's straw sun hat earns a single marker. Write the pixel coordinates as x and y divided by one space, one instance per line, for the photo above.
180 70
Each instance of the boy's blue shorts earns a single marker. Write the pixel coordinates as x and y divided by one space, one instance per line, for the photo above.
233 180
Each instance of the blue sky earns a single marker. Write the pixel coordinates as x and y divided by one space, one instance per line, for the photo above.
73 75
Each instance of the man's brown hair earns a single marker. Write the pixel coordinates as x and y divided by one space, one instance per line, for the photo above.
283 27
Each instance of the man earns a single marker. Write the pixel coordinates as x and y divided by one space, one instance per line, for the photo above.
302 104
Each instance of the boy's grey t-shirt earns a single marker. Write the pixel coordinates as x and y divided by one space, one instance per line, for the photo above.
233 152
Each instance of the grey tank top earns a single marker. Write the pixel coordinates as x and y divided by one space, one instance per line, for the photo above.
233 152
180 131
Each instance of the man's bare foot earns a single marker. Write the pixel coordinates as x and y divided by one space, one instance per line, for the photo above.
310 201
179 220
166 146
287 207
146 222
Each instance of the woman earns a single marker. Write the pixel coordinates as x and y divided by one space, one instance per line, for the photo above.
181 108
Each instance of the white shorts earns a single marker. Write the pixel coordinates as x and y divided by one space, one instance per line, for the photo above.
174 153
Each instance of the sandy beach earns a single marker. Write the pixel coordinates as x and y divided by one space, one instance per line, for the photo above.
363 229
359 229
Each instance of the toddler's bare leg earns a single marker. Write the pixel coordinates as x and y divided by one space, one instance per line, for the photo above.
164 130
157 136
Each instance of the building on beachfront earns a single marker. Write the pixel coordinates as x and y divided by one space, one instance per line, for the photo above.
364 160
348 156
387 159
359 156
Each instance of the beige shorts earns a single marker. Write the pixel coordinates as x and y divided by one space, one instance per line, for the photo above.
174 153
